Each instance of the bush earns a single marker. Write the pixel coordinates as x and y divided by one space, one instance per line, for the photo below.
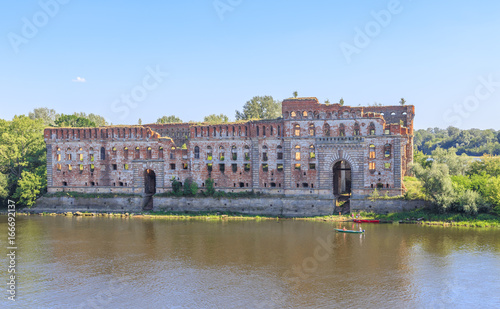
209 184
29 188
193 188
187 187
176 187
467 202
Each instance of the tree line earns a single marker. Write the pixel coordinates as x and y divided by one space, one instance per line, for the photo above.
472 142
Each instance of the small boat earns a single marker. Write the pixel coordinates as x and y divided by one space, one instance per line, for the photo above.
366 221
349 231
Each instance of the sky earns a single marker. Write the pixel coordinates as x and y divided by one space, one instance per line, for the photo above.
127 60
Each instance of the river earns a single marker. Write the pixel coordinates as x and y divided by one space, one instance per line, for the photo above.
100 262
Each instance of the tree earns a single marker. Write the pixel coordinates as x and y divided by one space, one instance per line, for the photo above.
437 184
48 116
327 101
74 121
29 188
139 122
98 120
260 108
215 119
341 102
169 119
402 101
457 165
295 94
21 145
22 158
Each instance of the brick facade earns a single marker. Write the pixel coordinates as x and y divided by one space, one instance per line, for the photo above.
297 154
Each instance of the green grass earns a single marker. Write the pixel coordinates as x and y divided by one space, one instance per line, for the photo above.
432 218
206 215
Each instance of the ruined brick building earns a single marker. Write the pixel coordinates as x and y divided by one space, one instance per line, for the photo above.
313 149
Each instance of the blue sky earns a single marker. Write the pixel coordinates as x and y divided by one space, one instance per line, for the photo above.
90 55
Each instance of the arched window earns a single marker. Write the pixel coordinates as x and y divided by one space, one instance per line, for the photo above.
279 130
293 114
280 152
312 154
356 129
371 129
263 131
271 129
150 153
304 114
172 152
209 153
296 130
258 131
264 153
103 153
372 151
326 129
246 152
221 153
341 130
234 153
387 151
312 130
160 152
137 153
196 152
297 153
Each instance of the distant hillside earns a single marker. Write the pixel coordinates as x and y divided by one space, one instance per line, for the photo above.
473 142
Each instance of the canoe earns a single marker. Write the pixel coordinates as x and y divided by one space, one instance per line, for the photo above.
349 231
366 221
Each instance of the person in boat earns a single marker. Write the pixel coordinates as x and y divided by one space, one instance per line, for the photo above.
360 229
344 228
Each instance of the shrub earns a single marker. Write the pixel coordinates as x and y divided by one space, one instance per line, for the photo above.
176 187
209 184
187 187
193 188
467 202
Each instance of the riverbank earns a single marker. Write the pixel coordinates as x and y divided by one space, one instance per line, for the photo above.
422 217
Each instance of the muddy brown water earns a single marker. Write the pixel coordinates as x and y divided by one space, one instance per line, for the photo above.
97 262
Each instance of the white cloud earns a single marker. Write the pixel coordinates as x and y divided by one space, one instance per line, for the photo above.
79 80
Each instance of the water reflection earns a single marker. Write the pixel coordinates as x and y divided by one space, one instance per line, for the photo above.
121 262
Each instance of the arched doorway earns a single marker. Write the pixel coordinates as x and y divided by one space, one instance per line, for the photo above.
149 182
342 179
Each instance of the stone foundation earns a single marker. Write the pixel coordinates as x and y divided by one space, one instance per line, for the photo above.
385 206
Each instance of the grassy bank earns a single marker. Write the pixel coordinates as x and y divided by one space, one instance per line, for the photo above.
422 216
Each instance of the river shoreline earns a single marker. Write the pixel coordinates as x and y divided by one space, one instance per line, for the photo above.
421 217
